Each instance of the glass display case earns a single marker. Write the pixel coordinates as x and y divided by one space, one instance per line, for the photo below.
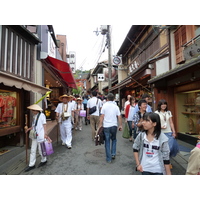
188 110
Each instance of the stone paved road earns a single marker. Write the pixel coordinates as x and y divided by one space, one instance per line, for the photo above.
87 159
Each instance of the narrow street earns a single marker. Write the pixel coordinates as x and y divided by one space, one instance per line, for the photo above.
87 159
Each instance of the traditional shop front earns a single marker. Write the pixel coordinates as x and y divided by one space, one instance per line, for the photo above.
181 89
59 78
135 85
18 83
15 96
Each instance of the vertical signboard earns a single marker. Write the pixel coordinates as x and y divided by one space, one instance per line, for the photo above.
72 61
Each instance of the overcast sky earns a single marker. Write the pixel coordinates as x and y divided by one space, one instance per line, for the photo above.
82 39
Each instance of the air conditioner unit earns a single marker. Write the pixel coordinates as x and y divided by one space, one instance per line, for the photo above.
192 50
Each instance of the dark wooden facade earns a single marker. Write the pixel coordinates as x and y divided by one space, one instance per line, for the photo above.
17 58
181 83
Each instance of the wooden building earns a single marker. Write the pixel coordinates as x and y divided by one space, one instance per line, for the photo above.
179 82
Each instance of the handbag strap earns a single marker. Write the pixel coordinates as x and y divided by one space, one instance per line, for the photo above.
65 110
37 119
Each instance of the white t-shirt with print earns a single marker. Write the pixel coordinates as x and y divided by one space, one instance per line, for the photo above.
150 158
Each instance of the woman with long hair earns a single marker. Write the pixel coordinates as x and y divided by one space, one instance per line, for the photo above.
167 126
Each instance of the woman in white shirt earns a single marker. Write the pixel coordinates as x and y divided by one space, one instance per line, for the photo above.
167 124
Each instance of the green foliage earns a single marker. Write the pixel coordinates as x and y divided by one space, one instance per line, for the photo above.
77 91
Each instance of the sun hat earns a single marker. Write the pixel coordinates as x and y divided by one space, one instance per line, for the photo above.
65 95
35 107
78 99
71 96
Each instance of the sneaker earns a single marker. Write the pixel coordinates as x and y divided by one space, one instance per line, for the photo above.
80 129
76 129
108 161
69 147
113 157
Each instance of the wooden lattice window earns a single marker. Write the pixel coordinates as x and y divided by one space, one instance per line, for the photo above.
181 36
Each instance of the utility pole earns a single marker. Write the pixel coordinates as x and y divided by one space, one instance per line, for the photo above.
106 29
109 57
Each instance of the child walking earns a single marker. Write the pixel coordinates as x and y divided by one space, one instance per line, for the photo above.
151 149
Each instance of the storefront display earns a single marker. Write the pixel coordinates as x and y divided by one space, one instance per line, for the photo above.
189 113
8 109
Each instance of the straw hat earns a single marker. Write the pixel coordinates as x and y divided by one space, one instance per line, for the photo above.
78 99
71 96
35 107
61 97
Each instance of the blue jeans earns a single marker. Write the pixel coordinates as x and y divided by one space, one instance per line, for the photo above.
132 130
110 134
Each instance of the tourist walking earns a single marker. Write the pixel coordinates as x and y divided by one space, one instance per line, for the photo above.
37 135
151 149
146 97
94 116
167 125
109 119
78 119
125 106
138 117
132 130
85 100
65 116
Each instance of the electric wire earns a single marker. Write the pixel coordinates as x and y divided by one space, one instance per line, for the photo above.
90 53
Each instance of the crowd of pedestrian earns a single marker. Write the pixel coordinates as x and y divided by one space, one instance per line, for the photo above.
152 133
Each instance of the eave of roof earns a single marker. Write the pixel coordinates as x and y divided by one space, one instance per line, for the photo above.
178 68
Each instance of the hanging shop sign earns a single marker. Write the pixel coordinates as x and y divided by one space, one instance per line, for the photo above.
117 60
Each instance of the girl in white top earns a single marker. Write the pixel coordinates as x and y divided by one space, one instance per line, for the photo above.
151 149
167 124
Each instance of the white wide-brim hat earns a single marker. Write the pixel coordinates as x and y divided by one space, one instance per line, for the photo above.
35 107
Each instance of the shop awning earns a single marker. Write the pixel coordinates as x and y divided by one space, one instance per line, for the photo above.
63 69
10 80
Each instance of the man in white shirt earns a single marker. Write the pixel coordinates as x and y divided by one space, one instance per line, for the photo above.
64 113
94 117
110 116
